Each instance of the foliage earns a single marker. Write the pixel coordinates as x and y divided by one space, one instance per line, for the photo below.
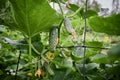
27 20
110 24
35 18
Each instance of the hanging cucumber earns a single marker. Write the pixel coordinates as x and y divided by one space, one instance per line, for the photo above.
53 39
69 29
48 68
68 25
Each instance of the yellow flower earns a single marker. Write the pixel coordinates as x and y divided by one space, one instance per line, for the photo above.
50 55
38 73
106 39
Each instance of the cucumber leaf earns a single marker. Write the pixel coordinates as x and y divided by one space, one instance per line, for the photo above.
109 25
100 58
33 16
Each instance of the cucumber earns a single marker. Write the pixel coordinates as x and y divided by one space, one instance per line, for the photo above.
48 68
53 39
68 25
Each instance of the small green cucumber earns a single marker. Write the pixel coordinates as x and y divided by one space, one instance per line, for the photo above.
53 39
68 25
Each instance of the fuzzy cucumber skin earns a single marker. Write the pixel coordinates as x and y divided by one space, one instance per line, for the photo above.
53 36
68 25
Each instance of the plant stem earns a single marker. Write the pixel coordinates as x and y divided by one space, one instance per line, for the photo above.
32 47
84 41
38 63
77 11
60 7
38 52
30 51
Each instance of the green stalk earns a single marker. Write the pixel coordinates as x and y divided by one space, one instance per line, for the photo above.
77 11
32 47
38 52
30 51
60 7
38 63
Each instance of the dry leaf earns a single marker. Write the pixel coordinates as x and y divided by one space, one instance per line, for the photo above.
67 5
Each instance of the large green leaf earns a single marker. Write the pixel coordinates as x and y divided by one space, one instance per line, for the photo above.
113 70
90 13
100 58
109 25
33 16
91 66
114 51
93 51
